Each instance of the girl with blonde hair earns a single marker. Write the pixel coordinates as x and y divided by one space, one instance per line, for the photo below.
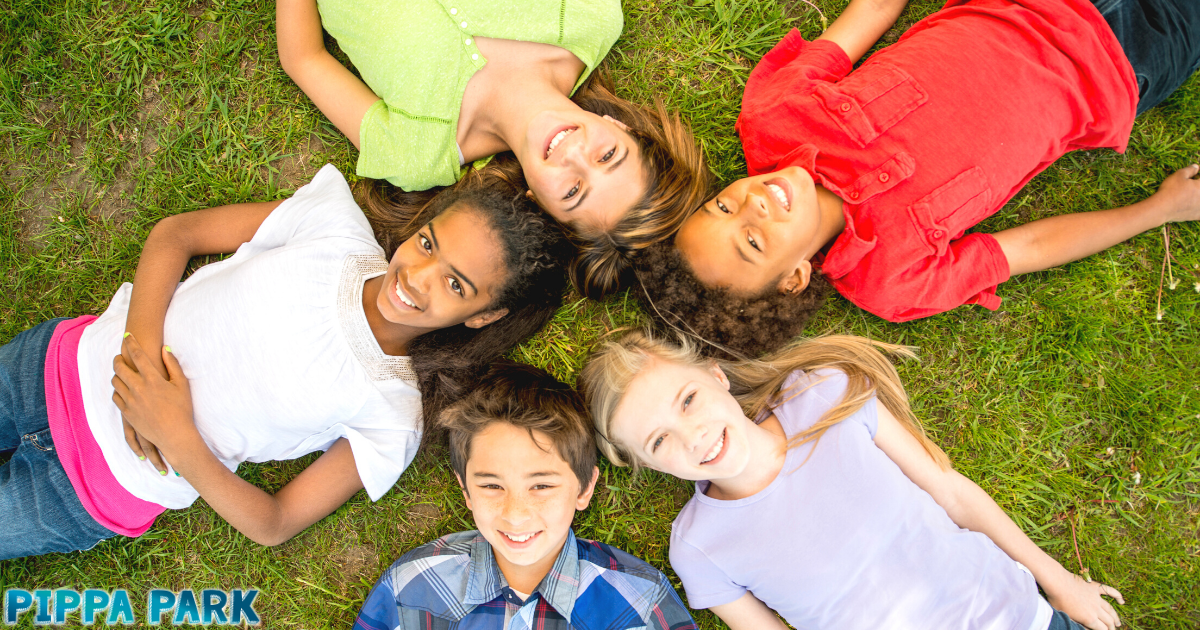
818 496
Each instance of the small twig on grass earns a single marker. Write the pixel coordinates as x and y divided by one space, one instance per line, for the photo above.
824 22
1075 542
1165 272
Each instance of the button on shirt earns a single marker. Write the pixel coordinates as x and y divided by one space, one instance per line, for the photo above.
934 134
417 56
454 582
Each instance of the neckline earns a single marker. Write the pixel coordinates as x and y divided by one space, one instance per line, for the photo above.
356 270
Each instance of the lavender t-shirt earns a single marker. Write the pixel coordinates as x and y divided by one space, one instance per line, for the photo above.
846 540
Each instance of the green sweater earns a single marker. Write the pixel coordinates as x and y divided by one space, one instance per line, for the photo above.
418 55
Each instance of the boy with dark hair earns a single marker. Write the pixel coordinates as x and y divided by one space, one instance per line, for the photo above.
524 453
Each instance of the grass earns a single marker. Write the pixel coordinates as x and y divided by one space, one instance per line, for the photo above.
1076 405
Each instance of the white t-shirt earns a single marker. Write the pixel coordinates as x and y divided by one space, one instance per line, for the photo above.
847 540
277 350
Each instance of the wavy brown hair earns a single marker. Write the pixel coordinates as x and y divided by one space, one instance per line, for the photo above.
757 384
449 361
731 325
678 182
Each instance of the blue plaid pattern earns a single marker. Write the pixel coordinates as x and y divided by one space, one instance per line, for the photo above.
453 583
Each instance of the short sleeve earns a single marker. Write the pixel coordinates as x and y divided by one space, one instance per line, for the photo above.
322 208
381 457
968 272
705 583
414 153
380 611
670 613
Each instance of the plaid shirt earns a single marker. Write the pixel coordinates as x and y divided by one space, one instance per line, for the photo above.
453 583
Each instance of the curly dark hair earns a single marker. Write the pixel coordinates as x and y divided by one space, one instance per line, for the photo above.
733 326
449 361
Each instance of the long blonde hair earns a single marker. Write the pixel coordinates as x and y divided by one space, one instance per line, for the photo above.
756 384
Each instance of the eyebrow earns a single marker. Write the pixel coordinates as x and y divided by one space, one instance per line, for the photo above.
581 198
542 473
618 162
452 267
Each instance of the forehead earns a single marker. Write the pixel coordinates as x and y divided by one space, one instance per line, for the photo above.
715 248
614 193
466 241
649 393
505 449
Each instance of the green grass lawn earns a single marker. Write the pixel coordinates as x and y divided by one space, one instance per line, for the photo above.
1076 405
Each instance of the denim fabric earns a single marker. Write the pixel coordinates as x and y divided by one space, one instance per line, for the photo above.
39 511
1060 621
1161 38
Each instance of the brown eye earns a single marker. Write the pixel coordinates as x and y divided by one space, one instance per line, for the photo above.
722 208
608 156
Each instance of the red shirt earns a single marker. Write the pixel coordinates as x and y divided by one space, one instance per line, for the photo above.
935 133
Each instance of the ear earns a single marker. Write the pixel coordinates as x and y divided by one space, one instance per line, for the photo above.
616 122
718 374
530 196
585 496
466 495
797 279
483 319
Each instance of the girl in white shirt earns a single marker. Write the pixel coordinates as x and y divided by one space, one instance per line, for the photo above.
832 509
311 336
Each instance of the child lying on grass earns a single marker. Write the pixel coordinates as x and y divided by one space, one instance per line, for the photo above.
521 446
873 175
306 339
819 497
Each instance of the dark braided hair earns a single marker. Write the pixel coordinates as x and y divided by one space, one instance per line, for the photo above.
670 292
449 361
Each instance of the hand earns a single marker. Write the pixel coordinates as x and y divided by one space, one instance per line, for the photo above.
1180 195
157 410
140 445
1083 602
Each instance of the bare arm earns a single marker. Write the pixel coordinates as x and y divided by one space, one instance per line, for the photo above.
1055 241
971 508
161 409
862 24
171 244
340 95
748 613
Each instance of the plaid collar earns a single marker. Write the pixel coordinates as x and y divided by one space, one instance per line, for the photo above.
559 588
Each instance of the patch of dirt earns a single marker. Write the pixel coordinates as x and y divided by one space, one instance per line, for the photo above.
353 561
422 518
297 169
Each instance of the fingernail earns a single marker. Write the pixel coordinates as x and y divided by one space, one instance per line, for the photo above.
177 473
125 335
142 457
163 473
168 348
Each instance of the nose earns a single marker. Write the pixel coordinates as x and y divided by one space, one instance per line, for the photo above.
421 275
696 438
515 510
755 209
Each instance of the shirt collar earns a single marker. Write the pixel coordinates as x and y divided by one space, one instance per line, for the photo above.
559 588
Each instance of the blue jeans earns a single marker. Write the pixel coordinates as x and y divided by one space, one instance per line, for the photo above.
39 510
1060 621
1161 39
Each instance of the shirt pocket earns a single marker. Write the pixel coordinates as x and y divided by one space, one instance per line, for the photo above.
869 102
944 214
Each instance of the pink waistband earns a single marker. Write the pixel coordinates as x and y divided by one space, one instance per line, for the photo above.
99 491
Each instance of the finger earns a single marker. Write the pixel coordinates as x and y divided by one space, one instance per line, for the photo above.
1112 613
153 455
123 370
120 394
1113 593
140 360
131 438
128 358
174 370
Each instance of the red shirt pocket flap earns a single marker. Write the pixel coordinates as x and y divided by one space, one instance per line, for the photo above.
869 101
944 214
846 252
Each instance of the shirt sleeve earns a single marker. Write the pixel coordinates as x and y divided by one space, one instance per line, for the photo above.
969 272
322 208
381 456
380 611
670 613
705 583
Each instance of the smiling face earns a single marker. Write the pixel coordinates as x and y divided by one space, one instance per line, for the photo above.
682 420
585 170
756 233
448 273
523 496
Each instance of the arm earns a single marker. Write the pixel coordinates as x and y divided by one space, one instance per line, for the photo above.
340 95
747 613
1065 238
172 243
971 508
161 409
862 24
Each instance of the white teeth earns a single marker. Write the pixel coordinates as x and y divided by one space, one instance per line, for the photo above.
403 297
557 138
779 195
715 450
519 539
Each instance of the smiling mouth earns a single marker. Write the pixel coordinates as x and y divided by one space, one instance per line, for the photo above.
404 297
557 138
716 449
781 194
520 538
